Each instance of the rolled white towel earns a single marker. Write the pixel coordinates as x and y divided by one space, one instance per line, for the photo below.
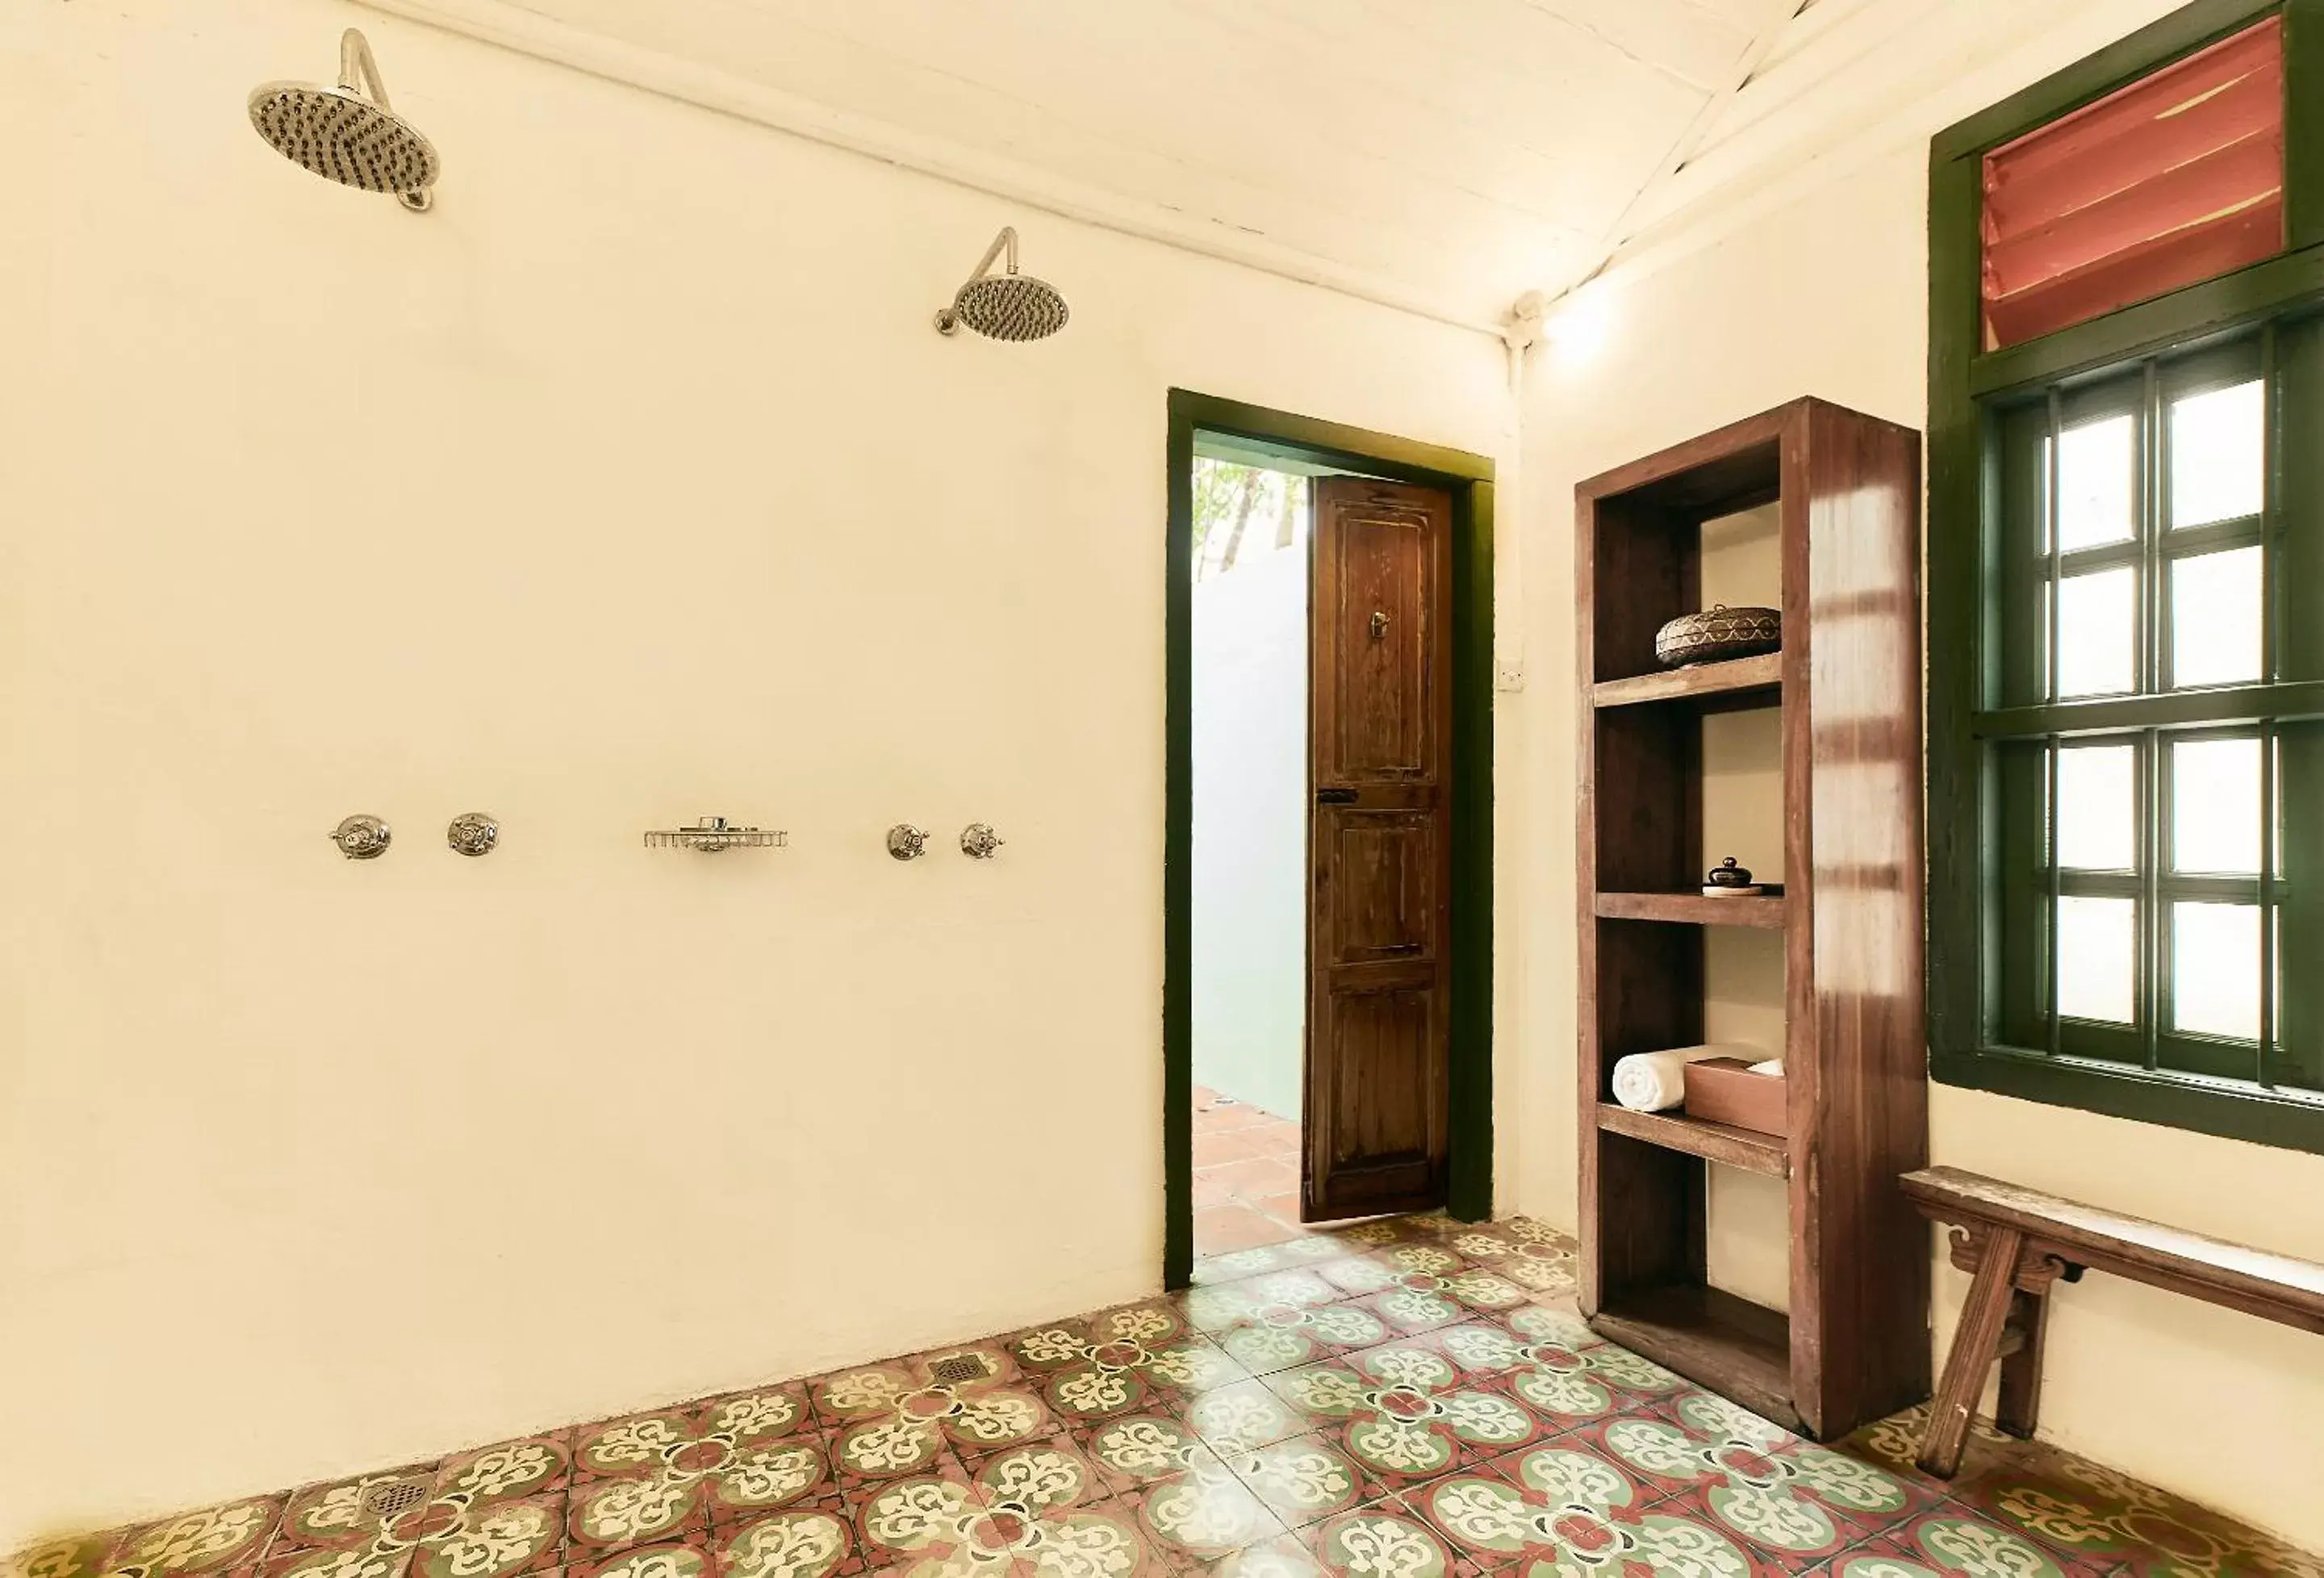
1653 1081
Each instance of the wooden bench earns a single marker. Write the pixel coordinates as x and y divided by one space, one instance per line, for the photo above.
2016 1243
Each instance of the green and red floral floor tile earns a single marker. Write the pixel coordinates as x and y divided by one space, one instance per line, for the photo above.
806 1542
1200 1517
1411 1399
494 1512
1035 1523
1283 1557
1950 1543
1408 1311
690 1557
1308 1477
1538 1260
217 1540
1790 1503
909 1416
2081 1511
1140 1449
1283 1337
1404 1413
1556 1508
1249 1414
661 1475
1386 1539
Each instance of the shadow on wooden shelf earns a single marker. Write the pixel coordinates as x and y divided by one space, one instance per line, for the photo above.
1766 913
1736 683
1747 1149
1737 1348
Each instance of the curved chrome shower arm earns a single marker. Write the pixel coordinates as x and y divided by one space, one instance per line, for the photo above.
1006 240
949 319
358 72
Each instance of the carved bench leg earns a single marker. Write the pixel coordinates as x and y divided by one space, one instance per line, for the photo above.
2019 1407
1975 1341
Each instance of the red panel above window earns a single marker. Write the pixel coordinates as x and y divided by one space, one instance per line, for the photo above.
2174 180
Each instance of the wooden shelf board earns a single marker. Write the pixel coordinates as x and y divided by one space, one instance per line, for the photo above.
1739 1349
1738 681
1766 912
1747 1148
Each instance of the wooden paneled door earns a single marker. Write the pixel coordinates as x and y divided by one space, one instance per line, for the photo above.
1379 846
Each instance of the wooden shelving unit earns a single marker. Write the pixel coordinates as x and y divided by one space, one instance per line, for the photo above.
1854 1345
1711 687
1693 908
1747 1148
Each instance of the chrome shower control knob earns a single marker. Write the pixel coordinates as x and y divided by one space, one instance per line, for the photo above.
905 842
978 841
362 837
472 833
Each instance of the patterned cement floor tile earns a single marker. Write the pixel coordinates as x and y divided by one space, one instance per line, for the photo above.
1789 1500
1949 1543
1406 1412
532 1466
1540 1263
2081 1511
1283 1557
342 1514
1410 1310
1248 1415
1384 1540
813 1543
1276 1337
1142 1449
1412 1399
662 1476
685 1558
1200 1516
214 1540
941 1529
1559 1509
1307 1479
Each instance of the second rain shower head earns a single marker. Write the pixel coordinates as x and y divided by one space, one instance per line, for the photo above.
348 134
1008 305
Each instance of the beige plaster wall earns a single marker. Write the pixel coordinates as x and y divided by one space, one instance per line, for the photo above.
632 483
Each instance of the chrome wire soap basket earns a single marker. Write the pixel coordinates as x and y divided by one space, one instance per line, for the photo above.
716 835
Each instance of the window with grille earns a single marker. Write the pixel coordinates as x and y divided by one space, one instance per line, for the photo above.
2144 863
2126 583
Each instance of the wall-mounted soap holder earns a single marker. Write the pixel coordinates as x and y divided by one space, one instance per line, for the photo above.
714 835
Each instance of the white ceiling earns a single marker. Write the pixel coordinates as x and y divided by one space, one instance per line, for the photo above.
1460 151
1441 155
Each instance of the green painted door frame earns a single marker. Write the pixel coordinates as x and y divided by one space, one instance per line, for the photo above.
1468 478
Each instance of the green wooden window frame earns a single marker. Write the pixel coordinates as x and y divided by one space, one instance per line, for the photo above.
2001 727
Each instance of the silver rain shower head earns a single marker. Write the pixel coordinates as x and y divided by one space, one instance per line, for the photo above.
1006 306
348 134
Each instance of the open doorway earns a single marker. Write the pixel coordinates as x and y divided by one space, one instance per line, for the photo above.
1253 525
1327 1019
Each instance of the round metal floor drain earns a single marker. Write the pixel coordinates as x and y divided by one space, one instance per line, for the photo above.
383 1501
959 1368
